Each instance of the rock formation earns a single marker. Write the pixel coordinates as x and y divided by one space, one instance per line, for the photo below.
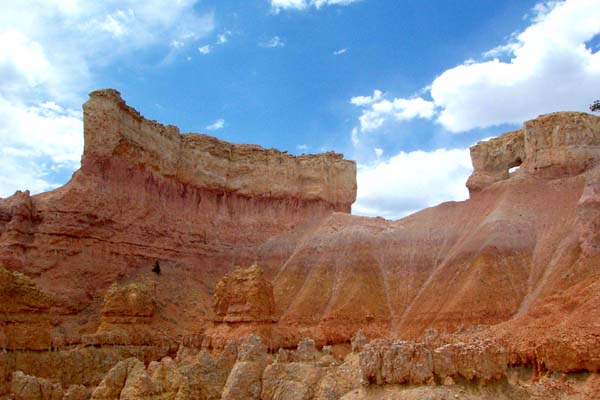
244 295
24 319
552 145
508 279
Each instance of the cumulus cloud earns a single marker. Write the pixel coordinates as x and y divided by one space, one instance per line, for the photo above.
279 5
47 52
274 42
408 182
549 68
377 110
366 100
218 124
37 142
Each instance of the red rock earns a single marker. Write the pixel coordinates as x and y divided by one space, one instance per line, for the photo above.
24 320
518 259
25 387
244 295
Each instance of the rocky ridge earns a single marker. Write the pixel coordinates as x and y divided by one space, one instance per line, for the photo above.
499 291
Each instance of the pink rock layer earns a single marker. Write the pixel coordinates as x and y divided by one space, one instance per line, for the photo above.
518 260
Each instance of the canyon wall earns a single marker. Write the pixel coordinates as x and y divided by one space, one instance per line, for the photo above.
144 193
257 241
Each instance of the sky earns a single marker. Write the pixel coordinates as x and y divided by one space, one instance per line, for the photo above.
402 87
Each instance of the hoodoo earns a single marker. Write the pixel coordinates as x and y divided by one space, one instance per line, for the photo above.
493 297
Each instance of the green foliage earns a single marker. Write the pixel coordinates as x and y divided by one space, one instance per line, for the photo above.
595 107
156 268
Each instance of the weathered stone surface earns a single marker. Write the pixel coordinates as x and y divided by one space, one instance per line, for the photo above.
493 158
244 295
114 382
385 362
552 145
402 362
112 129
477 360
131 300
359 341
207 373
306 351
25 387
294 381
76 392
130 380
561 144
245 380
518 260
24 315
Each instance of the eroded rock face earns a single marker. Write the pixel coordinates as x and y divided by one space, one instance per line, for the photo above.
518 261
493 158
25 387
24 319
145 192
402 362
130 380
112 129
133 300
244 295
127 315
206 373
552 145
245 379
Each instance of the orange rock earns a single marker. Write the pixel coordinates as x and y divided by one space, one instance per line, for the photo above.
244 295
25 319
516 263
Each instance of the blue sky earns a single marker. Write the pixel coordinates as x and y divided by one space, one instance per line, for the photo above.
402 87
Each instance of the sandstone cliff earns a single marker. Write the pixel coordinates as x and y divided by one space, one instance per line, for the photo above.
513 271
145 192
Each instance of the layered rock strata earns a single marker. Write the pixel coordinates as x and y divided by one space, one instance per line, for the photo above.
244 295
517 263
383 369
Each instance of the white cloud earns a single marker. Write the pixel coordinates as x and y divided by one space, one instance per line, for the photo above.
278 5
550 69
340 52
37 141
205 49
48 49
302 147
378 151
409 182
176 44
274 42
365 100
223 37
354 136
218 124
378 111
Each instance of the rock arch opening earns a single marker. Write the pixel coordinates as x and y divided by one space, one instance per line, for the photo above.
514 166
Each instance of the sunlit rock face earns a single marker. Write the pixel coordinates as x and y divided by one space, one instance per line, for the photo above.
553 145
244 295
499 287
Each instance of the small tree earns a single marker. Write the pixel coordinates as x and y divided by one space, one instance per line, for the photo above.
156 268
595 106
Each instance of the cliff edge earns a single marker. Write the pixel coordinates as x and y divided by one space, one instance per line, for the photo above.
115 131
508 279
